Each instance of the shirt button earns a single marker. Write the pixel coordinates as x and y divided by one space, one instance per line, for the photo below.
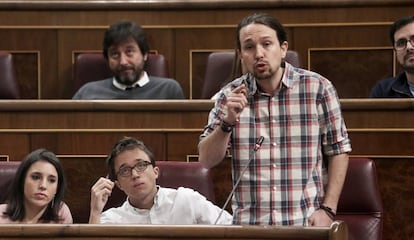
274 144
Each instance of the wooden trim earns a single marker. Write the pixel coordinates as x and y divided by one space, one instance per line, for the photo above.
105 105
195 105
377 104
338 230
183 4
176 130
383 156
106 130
191 26
310 50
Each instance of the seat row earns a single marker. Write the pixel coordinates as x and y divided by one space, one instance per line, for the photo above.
92 66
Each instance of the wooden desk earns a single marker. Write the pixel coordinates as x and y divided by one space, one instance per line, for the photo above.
83 132
338 231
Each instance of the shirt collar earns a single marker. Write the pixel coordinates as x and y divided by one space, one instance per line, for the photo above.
140 83
288 77
157 198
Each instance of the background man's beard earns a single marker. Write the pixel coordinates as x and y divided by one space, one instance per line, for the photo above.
408 68
406 65
127 79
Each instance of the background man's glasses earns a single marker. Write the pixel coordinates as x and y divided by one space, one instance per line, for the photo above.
126 171
401 44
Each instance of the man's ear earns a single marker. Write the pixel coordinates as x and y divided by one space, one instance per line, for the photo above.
118 185
156 172
239 58
284 46
238 54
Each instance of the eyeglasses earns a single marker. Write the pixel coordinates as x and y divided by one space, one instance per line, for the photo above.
401 44
126 171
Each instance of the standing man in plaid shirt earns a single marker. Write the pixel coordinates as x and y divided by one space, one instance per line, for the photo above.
298 114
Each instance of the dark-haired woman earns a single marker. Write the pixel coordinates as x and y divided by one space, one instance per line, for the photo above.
36 193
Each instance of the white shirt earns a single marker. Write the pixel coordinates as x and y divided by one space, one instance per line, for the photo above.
171 206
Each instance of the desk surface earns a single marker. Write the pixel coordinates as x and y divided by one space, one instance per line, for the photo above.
189 114
183 105
337 231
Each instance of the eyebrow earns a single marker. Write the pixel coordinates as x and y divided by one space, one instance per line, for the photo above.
409 37
40 173
136 161
267 37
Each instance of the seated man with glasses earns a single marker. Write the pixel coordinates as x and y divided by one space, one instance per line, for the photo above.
132 168
402 86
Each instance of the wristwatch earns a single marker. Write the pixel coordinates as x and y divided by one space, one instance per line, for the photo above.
331 213
226 127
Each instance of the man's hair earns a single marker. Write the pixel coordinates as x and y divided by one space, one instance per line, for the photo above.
265 19
126 143
399 23
122 31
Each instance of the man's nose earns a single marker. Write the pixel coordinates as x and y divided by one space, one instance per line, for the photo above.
136 173
123 59
410 44
259 52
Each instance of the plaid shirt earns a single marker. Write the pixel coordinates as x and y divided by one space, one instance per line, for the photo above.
284 183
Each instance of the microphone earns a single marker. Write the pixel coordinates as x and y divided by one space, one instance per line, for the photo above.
257 146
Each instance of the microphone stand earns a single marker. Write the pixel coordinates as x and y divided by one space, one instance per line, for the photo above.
257 146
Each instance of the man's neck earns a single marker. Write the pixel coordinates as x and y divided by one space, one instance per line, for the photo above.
145 202
272 84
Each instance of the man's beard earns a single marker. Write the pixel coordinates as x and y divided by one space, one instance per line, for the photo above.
264 75
408 67
128 79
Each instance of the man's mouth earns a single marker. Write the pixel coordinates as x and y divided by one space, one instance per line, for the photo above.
260 66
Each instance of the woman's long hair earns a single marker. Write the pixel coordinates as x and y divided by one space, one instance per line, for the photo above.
15 196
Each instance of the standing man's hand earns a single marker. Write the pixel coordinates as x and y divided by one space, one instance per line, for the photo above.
236 101
320 218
